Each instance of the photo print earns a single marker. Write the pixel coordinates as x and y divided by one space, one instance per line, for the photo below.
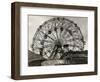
57 40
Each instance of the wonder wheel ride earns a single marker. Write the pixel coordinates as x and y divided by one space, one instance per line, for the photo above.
57 36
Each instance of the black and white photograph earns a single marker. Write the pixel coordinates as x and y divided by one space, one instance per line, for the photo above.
57 40
50 40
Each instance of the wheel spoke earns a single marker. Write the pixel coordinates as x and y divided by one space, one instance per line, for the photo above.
48 45
50 57
48 41
78 46
48 36
55 29
56 51
52 34
40 36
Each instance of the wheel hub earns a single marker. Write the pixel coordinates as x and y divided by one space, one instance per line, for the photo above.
58 44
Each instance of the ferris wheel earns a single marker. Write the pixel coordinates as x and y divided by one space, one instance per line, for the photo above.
57 36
